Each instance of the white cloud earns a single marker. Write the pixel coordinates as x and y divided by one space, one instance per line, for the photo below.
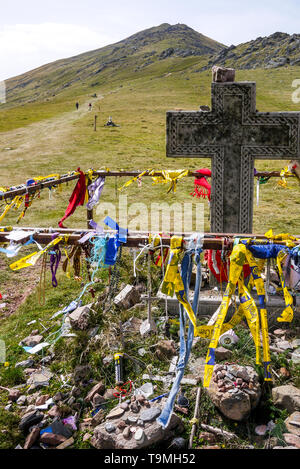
27 46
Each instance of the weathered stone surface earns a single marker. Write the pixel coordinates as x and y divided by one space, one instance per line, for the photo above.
66 443
98 418
98 400
287 397
128 297
32 340
75 391
52 439
149 415
80 318
124 406
230 390
54 411
292 423
126 433
153 433
14 394
233 134
132 326
121 425
208 437
115 413
29 409
110 427
139 436
222 353
222 75
22 400
99 388
131 420
292 439
135 407
165 349
25 364
31 419
40 378
296 356
32 437
109 394
41 400
86 437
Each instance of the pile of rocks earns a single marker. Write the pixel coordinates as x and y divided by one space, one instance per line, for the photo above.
133 425
43 426
235 390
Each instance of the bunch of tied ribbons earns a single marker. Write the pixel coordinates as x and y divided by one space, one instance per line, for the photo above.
97 241
84 193
160 177
88 190
247 256
104 251
27 198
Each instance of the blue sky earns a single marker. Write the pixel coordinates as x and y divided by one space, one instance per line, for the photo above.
35 32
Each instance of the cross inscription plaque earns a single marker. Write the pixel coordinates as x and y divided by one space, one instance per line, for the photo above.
233 134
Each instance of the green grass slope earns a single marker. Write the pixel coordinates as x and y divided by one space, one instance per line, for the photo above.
96 67
68 140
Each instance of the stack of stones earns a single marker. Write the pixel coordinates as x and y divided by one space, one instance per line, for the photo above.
235 390
133 425
232 378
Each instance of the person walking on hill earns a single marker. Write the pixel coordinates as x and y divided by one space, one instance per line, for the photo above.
77 105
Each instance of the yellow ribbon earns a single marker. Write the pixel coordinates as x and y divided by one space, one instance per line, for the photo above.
169 177
17 201
31 259
241 255
283 173
173 282
134 179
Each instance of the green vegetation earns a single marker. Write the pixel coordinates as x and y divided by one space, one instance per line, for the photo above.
41 133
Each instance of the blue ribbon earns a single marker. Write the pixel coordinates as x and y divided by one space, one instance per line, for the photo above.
185 344
114 241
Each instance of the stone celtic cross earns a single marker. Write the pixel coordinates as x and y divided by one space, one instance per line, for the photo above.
233 134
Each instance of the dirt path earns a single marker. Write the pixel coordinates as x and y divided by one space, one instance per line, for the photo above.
37 140
15 291
42 138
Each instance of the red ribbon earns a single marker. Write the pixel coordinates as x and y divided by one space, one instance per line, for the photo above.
201 183
77 198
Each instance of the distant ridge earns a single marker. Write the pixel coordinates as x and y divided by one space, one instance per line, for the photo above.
125 57
149 53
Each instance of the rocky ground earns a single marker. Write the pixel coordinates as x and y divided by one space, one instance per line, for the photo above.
269 52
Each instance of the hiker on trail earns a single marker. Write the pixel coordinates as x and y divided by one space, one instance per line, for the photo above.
77 106
90 106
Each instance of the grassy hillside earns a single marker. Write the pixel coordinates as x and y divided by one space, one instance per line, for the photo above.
42 133
58 139
112 63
